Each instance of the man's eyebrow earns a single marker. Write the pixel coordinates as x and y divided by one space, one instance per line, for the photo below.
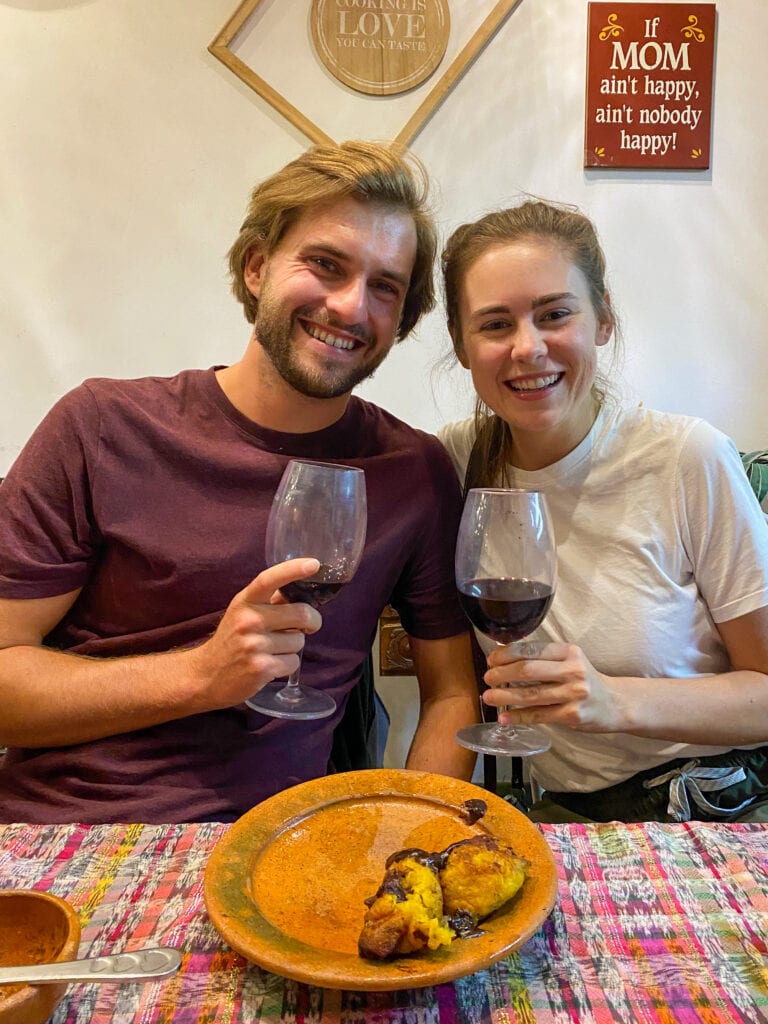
342 256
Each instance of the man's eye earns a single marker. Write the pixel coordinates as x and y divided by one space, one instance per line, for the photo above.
323 263
387 287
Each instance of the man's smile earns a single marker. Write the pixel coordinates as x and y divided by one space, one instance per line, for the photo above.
329 337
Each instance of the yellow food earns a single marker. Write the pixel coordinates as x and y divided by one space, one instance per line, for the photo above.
428 899
406 914
479 875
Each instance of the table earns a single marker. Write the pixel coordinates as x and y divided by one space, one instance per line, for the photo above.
654 923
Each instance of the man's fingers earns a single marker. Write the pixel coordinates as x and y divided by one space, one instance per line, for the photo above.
261 589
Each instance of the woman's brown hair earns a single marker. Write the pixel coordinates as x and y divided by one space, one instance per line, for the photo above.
576 236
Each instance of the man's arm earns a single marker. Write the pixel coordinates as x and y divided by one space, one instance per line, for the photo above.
51 698
449 701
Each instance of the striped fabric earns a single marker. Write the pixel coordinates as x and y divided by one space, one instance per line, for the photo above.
756 466
655 924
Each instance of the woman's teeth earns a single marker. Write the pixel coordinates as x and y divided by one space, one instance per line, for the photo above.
534 383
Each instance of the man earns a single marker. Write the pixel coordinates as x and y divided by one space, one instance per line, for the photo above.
137 613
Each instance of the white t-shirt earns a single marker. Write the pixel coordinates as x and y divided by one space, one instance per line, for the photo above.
659 536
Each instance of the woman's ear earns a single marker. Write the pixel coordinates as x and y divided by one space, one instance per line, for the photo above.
606 322
253 271
458 347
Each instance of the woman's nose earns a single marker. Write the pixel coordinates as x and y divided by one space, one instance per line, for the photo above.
528 341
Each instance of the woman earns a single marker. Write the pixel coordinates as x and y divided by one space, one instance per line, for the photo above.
655 690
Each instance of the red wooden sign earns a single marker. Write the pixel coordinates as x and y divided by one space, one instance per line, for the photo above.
649 85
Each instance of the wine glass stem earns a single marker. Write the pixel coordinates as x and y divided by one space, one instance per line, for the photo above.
291 692
504 729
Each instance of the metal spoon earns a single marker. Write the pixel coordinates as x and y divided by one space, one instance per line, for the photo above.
141 965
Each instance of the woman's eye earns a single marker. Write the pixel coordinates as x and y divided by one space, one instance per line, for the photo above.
496 325
556 314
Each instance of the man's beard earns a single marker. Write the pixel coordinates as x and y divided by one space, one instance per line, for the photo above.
273 329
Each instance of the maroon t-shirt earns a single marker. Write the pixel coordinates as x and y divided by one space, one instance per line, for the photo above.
152 496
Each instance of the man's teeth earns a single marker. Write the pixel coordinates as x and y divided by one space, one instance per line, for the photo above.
330 339
534 383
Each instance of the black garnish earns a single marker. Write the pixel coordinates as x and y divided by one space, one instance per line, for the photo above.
472 811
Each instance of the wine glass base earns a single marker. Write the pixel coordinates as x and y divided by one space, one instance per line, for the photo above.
305 704
503 741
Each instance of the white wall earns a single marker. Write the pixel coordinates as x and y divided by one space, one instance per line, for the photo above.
129 151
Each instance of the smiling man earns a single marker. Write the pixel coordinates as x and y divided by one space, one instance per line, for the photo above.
137 613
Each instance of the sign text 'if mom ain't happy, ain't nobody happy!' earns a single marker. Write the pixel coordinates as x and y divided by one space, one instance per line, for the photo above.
650 70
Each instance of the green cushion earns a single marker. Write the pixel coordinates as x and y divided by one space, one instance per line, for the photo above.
756 466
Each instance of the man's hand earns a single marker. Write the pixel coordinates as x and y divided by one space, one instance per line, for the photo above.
257 640
51 698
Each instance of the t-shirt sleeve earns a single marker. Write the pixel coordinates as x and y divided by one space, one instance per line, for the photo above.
425 596
47 533
724 529
457 438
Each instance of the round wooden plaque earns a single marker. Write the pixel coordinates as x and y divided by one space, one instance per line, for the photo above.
380 47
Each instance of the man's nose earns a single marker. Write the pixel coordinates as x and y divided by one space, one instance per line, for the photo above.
349 301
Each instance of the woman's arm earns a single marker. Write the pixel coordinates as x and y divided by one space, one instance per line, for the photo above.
729 709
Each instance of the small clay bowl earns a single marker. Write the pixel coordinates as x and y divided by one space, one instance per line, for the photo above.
35 928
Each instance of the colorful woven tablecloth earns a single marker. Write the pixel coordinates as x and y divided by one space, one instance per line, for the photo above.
654 923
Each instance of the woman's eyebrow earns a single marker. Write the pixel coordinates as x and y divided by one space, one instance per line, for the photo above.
543 300
498 308
555 297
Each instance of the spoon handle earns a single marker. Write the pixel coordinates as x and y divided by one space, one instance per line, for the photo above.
141 965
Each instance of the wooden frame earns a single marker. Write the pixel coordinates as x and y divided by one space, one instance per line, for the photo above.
394 646
220 49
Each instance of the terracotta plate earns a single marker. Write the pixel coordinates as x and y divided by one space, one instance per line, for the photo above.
285 885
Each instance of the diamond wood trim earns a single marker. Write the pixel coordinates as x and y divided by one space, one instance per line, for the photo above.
219 48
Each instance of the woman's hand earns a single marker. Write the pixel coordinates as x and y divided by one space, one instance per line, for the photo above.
558 686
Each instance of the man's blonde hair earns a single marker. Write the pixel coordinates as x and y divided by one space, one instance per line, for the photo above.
371 172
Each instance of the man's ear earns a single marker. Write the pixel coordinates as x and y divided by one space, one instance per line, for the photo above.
253 271
458 348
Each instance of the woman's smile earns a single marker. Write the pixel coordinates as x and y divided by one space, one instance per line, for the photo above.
529 334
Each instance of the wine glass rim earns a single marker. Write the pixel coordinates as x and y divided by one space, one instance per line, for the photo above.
505 490
329 465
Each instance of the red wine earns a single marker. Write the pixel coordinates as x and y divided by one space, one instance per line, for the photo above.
505 609
315 590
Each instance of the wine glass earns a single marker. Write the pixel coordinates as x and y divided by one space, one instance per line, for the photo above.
319 511
506 568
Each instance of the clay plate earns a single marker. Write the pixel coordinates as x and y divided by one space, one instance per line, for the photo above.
285 885
35 928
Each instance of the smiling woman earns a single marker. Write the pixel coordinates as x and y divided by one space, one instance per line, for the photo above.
653 515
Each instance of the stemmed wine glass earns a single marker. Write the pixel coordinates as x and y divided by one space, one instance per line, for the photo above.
506 568
319 511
